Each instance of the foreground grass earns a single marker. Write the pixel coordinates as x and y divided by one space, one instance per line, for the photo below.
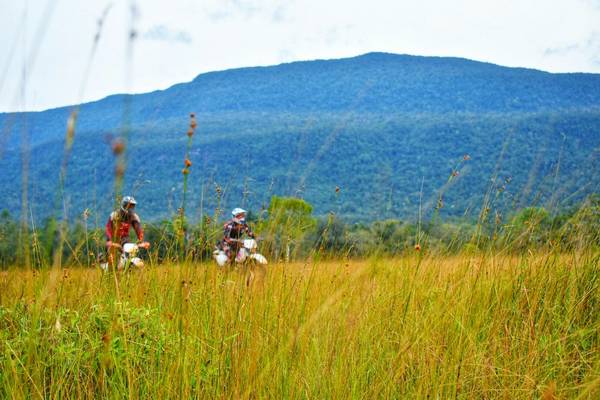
461 327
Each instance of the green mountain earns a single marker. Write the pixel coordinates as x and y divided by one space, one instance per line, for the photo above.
370 137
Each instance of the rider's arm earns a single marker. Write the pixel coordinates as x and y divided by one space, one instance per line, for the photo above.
227 232
137 227
109 230
249 232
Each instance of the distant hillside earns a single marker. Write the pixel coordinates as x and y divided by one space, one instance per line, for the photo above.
377 126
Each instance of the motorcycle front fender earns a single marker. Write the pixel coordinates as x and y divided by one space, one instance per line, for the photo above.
221 258
259 258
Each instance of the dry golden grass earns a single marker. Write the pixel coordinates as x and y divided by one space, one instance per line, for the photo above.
456 327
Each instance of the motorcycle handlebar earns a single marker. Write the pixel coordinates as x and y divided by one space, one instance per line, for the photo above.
143 245
241 240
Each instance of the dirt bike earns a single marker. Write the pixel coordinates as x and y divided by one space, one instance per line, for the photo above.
246 254
251 262
128 256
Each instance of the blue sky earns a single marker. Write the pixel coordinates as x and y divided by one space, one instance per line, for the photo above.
46 59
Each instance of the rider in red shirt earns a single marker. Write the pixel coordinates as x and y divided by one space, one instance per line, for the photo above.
119 223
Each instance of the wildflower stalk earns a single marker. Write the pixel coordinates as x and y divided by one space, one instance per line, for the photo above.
185 172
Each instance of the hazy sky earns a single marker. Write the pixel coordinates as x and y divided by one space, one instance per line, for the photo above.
46 45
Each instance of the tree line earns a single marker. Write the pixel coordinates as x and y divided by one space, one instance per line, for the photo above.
288 231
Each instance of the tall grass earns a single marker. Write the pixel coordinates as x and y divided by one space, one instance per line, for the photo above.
412 327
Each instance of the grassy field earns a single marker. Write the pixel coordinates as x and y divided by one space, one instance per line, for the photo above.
471 326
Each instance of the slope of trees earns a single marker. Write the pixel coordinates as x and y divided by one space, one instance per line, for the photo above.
393 133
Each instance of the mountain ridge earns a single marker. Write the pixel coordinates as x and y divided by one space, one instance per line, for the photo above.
369 55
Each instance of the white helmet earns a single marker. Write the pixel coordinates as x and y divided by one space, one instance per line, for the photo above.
237 211
127 200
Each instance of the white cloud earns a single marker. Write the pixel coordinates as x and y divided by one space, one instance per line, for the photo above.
164 33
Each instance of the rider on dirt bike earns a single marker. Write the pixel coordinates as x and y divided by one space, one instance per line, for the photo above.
233 230
118 225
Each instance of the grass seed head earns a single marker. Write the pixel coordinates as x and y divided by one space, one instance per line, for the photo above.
118 147
440 203
71 128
